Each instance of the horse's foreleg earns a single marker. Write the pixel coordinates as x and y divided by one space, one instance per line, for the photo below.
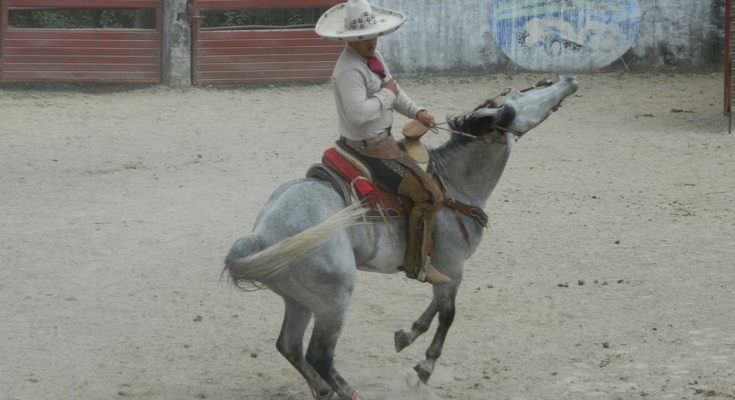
290 344
403 339
444 296
320 354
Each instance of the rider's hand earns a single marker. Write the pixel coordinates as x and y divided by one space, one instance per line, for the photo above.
425 118
391 85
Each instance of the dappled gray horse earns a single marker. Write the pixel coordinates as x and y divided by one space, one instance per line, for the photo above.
307 245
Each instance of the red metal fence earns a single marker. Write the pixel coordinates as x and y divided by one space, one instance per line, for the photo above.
80 55
260 55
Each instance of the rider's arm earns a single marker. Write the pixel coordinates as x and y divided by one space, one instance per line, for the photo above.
406 106
357 106
403 103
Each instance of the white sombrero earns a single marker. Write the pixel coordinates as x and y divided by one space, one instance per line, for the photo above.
357 20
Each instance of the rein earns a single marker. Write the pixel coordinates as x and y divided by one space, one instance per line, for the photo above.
498 138
460 208
540 84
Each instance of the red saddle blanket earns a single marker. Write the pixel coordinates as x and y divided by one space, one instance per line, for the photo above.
370 193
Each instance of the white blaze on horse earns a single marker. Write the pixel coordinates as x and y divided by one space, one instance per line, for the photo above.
307 247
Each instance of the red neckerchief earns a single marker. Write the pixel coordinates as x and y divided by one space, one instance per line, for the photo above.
376 66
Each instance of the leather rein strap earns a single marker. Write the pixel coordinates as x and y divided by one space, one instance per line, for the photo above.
476 213
497 129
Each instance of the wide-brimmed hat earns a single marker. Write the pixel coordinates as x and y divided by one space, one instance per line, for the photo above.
357 20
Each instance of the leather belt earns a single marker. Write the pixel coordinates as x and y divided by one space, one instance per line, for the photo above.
365 143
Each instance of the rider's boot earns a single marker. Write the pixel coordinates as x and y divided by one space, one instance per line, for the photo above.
427 200
418 256
432 275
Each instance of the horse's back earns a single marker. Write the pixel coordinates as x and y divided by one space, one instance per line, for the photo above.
295 206
292 208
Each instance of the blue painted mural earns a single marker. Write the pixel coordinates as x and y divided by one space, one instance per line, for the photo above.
564 35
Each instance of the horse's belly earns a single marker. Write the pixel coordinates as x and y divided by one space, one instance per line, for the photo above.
378 247
386 267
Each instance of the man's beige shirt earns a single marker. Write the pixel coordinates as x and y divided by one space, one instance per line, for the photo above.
364 109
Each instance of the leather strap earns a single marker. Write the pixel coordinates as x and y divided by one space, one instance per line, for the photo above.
473 212
476 213
360 144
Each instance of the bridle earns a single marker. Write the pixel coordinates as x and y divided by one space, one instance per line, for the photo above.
502 134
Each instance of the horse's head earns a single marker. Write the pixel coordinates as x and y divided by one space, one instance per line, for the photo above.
520 113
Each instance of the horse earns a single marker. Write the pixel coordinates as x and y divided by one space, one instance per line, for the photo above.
308 244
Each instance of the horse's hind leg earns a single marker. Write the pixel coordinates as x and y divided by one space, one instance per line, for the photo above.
290 344
320 354
403 339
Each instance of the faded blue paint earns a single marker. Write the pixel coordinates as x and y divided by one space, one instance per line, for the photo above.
564 35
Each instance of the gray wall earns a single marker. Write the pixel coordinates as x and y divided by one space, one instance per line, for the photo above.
686 35
456 36
176 44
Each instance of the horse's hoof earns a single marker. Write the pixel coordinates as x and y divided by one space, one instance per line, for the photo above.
424 370
324 393
354 396
401 340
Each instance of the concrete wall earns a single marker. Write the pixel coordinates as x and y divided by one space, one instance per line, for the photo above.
463 35
471 36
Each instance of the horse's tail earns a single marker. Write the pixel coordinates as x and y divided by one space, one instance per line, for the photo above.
251 267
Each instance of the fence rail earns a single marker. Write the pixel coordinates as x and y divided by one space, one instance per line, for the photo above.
80 55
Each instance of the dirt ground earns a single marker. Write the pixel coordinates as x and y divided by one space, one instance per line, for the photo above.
607 272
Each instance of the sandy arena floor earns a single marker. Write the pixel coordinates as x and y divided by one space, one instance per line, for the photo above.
608 271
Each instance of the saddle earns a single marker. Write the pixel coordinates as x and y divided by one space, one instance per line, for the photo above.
354 181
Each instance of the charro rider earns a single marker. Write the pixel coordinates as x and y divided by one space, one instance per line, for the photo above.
366 95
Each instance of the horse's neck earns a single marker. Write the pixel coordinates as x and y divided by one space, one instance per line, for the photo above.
471 170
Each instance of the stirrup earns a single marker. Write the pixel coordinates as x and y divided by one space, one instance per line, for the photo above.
432 275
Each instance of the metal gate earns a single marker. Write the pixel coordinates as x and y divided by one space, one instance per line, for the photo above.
257 54
80 55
